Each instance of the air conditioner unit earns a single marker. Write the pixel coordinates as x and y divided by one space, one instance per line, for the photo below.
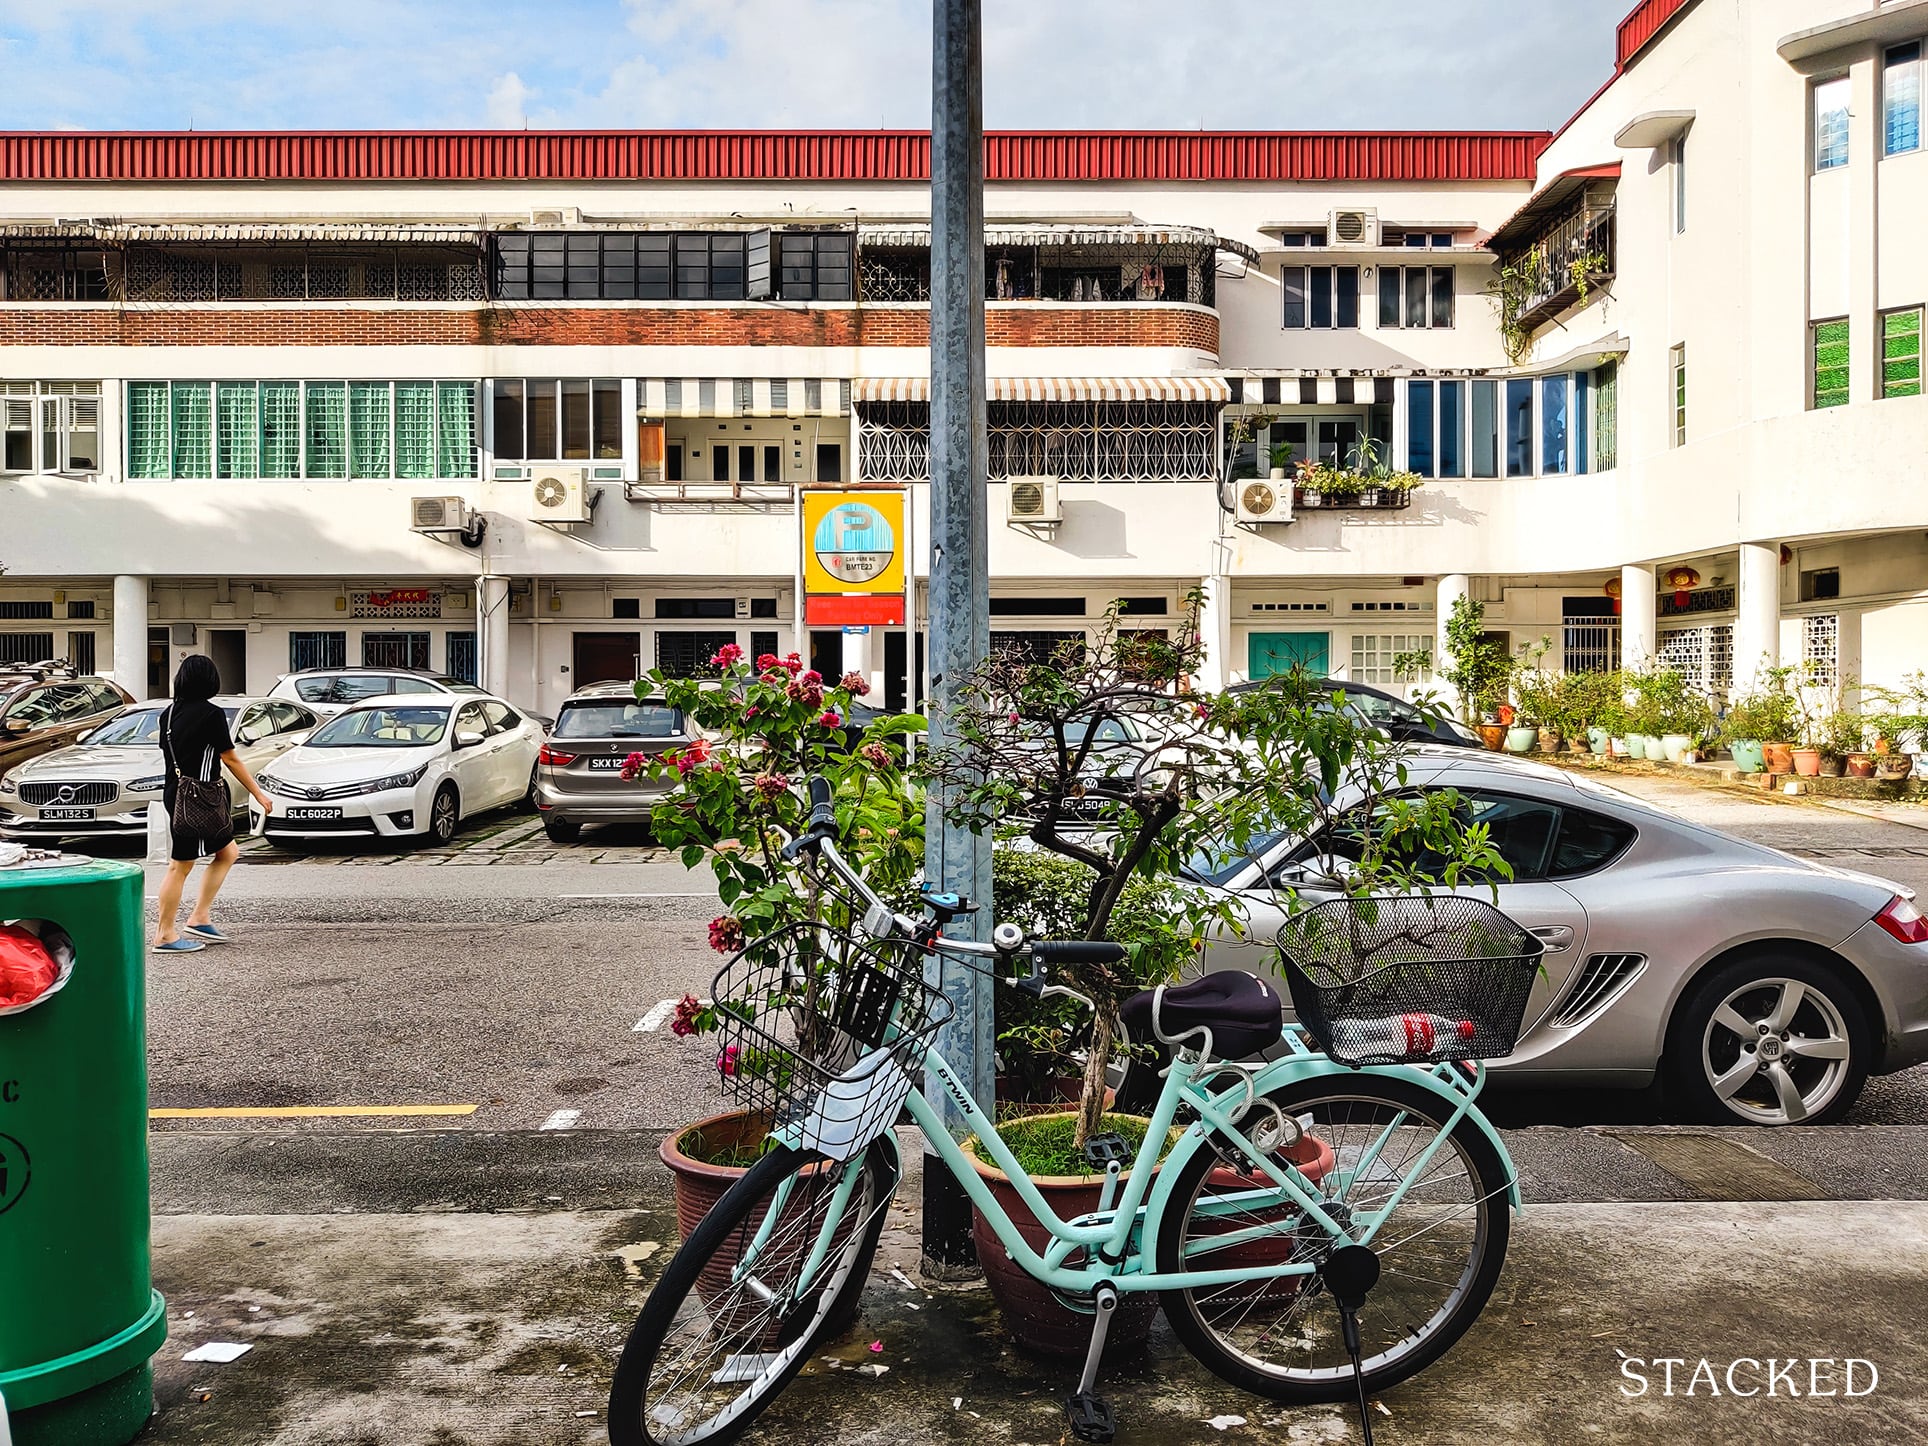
1032 500
558 494
1353 228
1262 501
438 514
743 607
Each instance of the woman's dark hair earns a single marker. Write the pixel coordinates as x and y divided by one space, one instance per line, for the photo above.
197 679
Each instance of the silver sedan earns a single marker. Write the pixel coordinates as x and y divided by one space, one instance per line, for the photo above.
1763 988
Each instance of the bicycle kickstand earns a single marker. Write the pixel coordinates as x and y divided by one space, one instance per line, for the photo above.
1090 1413
1350 1274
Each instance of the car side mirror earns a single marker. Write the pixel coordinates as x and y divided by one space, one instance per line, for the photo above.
83 735
467 740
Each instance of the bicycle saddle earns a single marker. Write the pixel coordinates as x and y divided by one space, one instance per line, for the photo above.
1244 1013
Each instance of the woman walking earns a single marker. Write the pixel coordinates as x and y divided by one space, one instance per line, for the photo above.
194 745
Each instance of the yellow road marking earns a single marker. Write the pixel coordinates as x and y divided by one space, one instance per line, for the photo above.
298 1112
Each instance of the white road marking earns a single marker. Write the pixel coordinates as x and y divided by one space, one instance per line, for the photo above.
562 1120
710 895
653 1021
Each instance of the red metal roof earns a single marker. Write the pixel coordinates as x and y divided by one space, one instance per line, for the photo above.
1642 25
763 155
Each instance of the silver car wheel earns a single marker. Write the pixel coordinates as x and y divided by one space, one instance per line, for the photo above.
1776 1051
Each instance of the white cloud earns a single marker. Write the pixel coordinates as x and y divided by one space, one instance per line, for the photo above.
508 105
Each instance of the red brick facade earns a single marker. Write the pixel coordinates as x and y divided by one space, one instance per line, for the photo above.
1011 324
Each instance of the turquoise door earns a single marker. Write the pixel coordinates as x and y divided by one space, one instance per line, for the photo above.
1269 653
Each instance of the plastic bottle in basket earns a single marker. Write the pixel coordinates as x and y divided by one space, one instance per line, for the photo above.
1403 1036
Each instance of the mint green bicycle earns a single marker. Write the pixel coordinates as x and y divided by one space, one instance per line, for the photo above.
1322 1226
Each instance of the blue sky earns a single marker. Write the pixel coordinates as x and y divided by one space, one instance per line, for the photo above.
1294 64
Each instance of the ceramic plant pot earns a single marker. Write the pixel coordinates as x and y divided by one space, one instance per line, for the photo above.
1747 755
1521 740
1599 740
1860 765
1676 747
1636 745
1493 735
1779 757
1549 740
1807 762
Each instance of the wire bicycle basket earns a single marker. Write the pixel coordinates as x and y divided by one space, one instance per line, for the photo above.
823 1031
1414 977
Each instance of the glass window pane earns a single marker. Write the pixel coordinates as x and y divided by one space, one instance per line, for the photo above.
1416 301
1901 99
1442 296
455 429
193 422
746 463
719 463
575 421
147 429
1346 282
18 420
1389 307
773 464
281 429
1831 124
1486 429
1553 424
83 438
327 413
368 451
1292 284
543 442
237 443
1452 422
608 436
1321 279
508 421
1606 417
414 429
1419 427
1580 421
1519 428
1901 353
1831 363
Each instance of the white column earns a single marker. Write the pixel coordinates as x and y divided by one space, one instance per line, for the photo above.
1757 620
1215 634
1639 616
858 655
492 621
1452 587
130 634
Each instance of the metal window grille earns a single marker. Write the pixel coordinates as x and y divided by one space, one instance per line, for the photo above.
1373 654
1703 656
1085 441
1821 648
461 659
80 651
687 654
317 650
1699 600
1590 643
27 608
418 603
26 647
1123 272
396 650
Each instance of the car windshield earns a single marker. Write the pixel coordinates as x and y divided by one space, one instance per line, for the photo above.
140 728
618 718
411 726
343 687
1218 863
456 685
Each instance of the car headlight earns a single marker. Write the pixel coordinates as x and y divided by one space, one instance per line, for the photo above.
270 783
396 780
148 785
7 785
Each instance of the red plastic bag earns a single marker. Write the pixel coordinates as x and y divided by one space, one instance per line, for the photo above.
27 967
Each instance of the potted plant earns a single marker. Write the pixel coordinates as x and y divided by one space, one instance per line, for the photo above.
1477 669
1537 694
766 727
1750 719
1308 489
1782 721
1281 459
1900 725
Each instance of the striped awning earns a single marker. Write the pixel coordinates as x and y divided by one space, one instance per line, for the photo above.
1055 389
162 233
744 396
891 235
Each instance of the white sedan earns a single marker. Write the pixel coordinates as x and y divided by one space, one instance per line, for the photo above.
400 767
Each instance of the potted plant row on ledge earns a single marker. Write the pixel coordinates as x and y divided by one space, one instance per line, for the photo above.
1367 482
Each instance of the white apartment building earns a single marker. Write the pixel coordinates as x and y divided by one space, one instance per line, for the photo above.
244 377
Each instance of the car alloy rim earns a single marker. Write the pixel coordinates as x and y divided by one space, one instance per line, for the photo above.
444 816
1776 1051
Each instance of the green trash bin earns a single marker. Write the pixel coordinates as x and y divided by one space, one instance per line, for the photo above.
79 1317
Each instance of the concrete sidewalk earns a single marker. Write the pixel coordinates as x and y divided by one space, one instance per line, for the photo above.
477 1327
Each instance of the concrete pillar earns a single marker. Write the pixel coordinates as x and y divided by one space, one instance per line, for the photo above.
1639 616
1757 619
492 621
130 634
864 653
1215 633
1452 587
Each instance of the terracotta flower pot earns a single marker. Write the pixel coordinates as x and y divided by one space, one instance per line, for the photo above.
1779 757
1315 1159
1064 1090
1549 740
1493 735
1860 765
1036 1317
1807 762
1580 746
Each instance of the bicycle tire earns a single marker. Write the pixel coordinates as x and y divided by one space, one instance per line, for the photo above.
1298 1314
642 1406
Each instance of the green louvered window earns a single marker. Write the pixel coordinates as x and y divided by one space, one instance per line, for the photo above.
327 414
237 430
455 429
368 421
1901 353
147 430
193 427
281 429
415 429
1831 370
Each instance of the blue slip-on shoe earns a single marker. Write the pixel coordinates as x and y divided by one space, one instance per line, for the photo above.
182 945
206 933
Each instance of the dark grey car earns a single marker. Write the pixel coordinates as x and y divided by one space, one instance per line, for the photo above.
579 773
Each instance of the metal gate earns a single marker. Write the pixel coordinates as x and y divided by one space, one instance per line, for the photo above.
1590 634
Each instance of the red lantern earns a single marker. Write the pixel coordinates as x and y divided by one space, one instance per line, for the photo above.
1680 579
1612 590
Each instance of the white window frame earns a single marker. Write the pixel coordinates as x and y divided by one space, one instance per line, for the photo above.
1887 68
1831 87
38 401
1377 645
1679 158
1677 393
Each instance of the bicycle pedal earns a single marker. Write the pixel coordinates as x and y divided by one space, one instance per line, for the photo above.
1102 1150
1091 1418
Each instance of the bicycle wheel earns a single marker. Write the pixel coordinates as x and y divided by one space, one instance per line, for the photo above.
740 1306
1440 1248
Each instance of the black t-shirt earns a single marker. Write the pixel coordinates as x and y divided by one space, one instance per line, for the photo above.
193 738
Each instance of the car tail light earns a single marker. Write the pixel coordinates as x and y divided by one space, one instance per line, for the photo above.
550 755
1903 920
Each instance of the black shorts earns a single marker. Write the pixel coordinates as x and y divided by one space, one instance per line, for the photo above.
186 847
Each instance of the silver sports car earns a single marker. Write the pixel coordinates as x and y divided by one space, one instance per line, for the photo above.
1764 988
